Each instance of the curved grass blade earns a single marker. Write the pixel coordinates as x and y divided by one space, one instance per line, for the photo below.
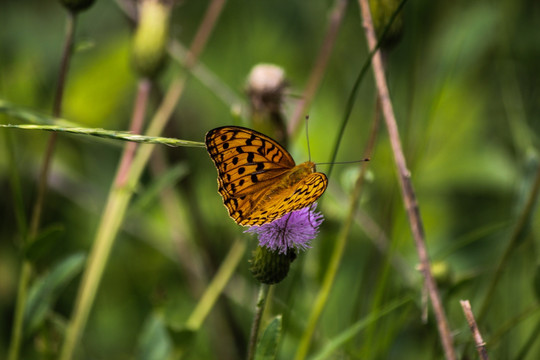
46 289
109 134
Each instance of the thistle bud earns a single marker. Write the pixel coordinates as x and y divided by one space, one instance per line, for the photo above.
265 87
151 37
269 266
76 5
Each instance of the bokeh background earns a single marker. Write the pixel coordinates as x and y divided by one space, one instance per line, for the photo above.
463 79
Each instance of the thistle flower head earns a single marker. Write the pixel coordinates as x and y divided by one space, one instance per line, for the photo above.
294 230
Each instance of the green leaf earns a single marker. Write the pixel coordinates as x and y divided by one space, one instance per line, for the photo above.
154 342
46 289
267 346
44 243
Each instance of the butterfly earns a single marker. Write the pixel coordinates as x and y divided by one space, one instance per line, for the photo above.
257 178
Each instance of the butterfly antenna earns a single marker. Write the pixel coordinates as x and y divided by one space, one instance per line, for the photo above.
343 162
307 138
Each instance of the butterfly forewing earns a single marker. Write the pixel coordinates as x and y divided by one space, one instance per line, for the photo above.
252 176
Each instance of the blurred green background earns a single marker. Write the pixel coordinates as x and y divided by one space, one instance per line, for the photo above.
464 84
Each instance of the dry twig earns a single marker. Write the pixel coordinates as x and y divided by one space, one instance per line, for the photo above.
407 190
480 344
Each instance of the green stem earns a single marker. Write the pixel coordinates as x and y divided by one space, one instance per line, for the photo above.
26 268
119 198
217 285
330 275
255 326
319 68
517 236
115 209
337 253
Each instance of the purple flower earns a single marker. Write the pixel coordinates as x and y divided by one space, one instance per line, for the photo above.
293 230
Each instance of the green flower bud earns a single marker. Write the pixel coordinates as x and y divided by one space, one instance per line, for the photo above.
151 37
270 267
76 5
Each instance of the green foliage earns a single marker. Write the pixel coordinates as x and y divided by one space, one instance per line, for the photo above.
46 289
154 342
267 348
177 282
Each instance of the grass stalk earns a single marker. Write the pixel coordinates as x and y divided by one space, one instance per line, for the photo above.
119 197
337 253
26 267
330 274
407 190
477 336
255 326
316 76
111 219
518 234
217 285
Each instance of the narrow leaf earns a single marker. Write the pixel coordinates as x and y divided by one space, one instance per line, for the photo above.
154 342
46 289
109 134
268 344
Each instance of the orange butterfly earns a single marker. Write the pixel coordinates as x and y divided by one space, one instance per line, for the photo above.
258 179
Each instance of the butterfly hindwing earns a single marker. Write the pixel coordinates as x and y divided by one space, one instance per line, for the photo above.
299 196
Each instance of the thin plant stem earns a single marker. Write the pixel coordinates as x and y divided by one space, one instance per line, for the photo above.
333 266
356 86
529 344
15 183
336 18
517 236
477 336
143 93
117 202
216 286
337 253
181 231
259 311
26 268
511 324
119 197
407 190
